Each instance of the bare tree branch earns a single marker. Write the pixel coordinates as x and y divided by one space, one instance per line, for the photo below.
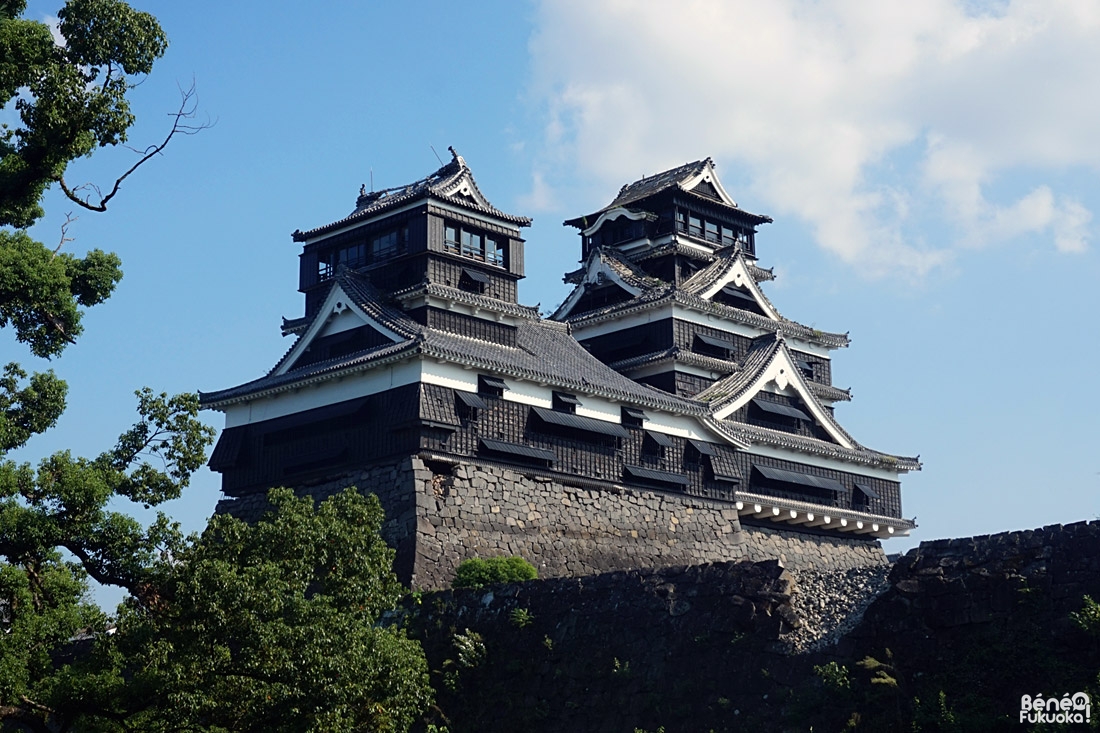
180 126
24 717
69 219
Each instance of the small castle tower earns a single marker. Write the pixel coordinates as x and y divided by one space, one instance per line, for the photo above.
667 414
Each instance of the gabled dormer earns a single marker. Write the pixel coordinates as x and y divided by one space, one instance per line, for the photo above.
439 230
349 320
770 391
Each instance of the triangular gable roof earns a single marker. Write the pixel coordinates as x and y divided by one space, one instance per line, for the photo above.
729 270
605 266
770 361
453 183
350 293
685 177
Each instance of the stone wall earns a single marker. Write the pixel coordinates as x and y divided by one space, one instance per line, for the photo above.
806 550
949 641
487 510
438 518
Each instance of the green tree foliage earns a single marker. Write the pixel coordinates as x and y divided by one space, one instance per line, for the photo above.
477 572
60 521
71 99
274 626
67 503
266 627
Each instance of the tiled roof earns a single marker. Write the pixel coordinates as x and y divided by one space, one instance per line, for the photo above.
776 438
370 300
829 392
760 274
698 283
294 325
673 247
656 297
311 374
453 183
677 355
630 273
465 296
648 186
615 260
620 267
731 388
545 352
712 273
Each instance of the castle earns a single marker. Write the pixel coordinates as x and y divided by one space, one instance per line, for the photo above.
665 414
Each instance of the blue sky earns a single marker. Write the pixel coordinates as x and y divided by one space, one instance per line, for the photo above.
932 169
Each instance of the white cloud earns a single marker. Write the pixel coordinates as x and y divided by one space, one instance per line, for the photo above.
857 116
54 24
541 196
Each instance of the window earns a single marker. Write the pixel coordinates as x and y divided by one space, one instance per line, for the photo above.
711 229
769 480
779 411
715 232
352 256
632 417
565 402
472 243
653 475
714 347
490 386
569 425
378 246
389 243
516 451
862 496
473 281
654 444
729 237
467 405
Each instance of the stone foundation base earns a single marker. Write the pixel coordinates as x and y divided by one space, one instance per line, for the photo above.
436 520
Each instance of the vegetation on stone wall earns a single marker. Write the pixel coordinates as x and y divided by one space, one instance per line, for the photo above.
479 572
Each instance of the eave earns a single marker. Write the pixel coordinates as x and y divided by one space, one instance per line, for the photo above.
802 514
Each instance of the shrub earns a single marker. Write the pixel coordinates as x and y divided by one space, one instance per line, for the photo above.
477 572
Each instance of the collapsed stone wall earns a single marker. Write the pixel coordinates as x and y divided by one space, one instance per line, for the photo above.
437 516
950 640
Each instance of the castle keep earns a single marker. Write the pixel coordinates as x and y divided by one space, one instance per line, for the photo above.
665 414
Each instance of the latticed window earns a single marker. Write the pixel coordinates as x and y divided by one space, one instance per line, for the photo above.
473 244
715 232
389 243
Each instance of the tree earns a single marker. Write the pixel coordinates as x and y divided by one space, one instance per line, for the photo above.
274 626
71 99
266 627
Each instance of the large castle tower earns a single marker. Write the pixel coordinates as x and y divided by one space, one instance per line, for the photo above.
667 414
